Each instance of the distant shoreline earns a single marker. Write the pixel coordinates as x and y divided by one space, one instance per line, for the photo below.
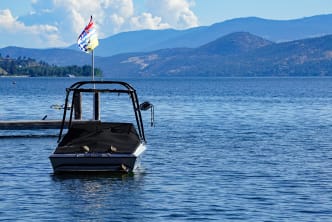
15 76
173 77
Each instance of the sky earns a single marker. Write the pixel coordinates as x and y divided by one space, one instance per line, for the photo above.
57 23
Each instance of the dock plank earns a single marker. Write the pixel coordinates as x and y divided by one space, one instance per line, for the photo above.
32 124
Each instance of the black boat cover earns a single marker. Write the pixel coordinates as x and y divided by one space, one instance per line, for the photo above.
98 137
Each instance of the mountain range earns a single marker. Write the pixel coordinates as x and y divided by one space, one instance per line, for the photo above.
238 47
236 54
273 30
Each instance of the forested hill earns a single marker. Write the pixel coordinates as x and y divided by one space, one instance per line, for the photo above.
23 66
236 54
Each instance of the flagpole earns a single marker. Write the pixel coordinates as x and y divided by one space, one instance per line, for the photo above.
87 41
96 112
93 65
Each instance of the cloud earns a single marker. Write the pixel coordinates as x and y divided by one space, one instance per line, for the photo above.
124 8
7 20
119 13
57 23
166 14
147 21
176 13
75 14
33 34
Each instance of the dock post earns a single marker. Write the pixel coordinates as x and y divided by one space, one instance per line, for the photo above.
96 106
77 105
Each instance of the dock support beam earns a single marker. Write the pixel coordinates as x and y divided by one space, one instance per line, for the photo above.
77 105
96 110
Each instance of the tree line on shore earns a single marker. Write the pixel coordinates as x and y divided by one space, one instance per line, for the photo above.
25 66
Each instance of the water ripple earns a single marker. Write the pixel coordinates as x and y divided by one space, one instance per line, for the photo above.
222 150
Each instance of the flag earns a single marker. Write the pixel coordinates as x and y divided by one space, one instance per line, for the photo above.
88 39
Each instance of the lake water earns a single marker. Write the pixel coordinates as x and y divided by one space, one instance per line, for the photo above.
222 149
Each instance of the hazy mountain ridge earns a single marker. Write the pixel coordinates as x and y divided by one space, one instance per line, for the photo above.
235 54
272 30
296 58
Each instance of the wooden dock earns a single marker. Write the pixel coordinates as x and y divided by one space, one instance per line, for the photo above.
33 124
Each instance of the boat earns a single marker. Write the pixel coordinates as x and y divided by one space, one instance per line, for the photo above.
95 144
71 76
